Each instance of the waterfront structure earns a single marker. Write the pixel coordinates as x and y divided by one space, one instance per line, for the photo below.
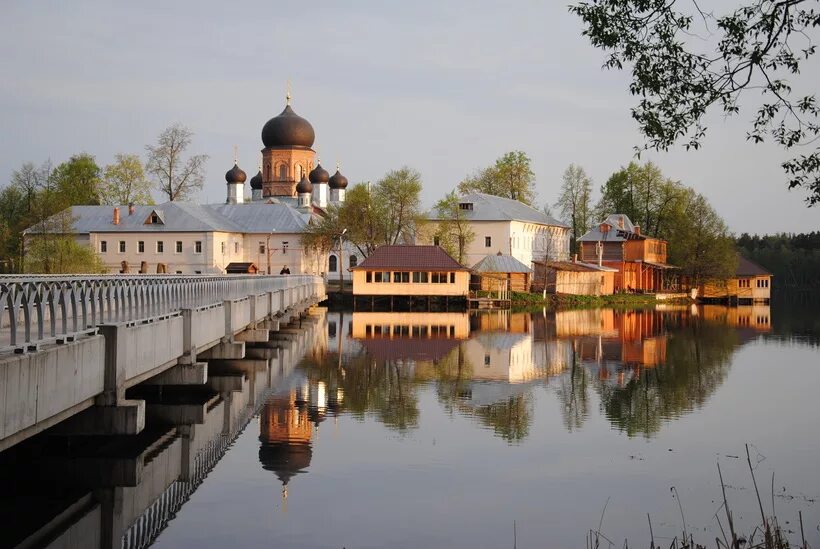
290 191
640 259
750 284
410 271
506 226
502 272
573 277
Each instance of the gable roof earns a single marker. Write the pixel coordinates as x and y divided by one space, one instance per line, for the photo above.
487 207
620 226
747 267
188 217
411 258
500 263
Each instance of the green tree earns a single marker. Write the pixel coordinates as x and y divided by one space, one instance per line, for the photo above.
176 178
452 227
372 215
124 182
51 248
757 47
699 241
575 201
510 177
76 182
643 194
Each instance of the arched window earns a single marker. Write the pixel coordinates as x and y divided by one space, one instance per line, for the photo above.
298 172
268 172
331 264
283 171
354 260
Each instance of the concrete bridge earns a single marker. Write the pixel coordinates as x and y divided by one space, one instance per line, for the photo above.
70 347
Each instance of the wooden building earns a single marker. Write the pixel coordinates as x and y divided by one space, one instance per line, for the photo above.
502 272
639 259
751 284
407 272
573 277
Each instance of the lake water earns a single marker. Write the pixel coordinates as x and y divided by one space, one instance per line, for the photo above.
488 430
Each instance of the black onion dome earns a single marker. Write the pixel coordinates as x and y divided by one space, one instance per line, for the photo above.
338 181
235 175
304 186
288 130
319 175
256 181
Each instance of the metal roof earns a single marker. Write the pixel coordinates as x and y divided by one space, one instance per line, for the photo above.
411 258
577 266
621 229
187 217
495 263
487 207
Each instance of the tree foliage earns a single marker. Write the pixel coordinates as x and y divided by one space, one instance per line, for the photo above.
53 249
510 177
372 215
124 182
793 259
575 201
452 230
176 178
76 182
757 47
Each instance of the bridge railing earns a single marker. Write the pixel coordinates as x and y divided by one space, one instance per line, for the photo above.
41 309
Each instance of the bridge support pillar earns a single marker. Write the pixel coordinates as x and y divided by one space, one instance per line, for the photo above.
252 335
182 374
225 350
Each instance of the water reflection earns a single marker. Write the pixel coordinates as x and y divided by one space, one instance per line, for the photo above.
647 366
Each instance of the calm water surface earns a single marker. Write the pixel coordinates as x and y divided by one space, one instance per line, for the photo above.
445 430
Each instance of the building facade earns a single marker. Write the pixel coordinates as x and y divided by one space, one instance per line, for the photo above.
502 225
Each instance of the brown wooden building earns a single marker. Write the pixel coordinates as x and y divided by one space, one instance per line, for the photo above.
573 277
640 259
501 272
751 284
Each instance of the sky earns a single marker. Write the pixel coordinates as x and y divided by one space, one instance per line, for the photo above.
442 87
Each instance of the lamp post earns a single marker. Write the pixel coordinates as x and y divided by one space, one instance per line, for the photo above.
341 261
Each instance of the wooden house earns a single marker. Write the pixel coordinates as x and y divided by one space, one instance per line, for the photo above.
751 284
573 277
640 259
407 272
500 272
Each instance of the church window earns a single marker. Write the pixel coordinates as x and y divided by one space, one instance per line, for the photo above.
332 264
267 172
354 260
283 171
298 172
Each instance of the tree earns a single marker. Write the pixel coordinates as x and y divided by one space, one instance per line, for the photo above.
76 182
452 228
176 178
575 201
52 249
510 177
373 215
124 182
699 241
643 194
755 47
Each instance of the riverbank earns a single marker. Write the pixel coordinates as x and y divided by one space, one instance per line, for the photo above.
523 301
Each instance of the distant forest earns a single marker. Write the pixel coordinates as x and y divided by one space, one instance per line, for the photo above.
793 259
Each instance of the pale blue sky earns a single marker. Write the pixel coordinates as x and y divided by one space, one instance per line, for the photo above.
444 88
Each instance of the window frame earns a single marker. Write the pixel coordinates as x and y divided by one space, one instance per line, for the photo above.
103 246
488 241
197 246
122 247
160 247
178 247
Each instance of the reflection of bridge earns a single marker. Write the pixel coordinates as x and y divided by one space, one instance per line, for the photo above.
72 346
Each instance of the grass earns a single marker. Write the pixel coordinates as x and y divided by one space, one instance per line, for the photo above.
766 535
524 300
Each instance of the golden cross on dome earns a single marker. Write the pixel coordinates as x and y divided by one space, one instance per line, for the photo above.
287 95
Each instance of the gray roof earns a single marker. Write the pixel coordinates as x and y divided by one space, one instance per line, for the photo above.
617 233
487 207
494 263
187 217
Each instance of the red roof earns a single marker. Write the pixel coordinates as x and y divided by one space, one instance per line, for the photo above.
410 258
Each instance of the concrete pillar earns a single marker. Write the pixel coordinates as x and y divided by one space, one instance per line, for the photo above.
182 374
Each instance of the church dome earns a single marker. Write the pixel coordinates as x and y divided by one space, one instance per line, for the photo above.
319 175
235 175
304 186
288 130
338 181
256 181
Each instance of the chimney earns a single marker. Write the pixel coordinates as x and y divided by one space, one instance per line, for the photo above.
621 222
637 230
604 228
116 216
131 208
600 249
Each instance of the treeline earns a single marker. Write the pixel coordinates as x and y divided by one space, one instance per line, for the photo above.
793 259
